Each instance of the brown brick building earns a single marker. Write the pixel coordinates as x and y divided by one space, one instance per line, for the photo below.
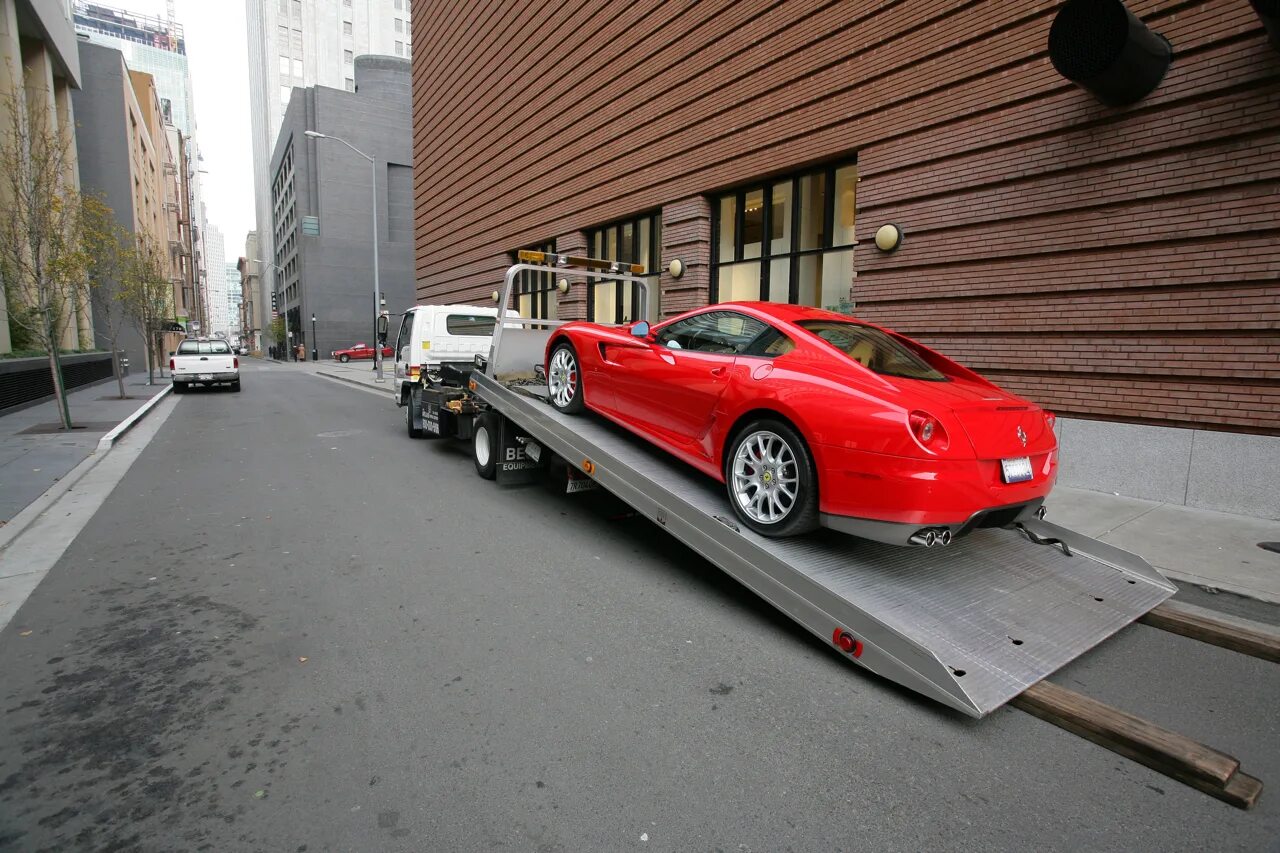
1119 265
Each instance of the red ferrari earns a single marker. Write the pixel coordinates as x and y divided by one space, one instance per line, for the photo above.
359 351
812 418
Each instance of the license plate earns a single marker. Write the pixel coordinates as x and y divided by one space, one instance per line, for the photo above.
1016 470
205 377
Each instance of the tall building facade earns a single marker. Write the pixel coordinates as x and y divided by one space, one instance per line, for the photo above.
1117 264
39 70
234 297
216 265
299 43
322 205
255 306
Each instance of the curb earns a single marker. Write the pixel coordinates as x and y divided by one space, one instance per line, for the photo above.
105 443
32 511
377 389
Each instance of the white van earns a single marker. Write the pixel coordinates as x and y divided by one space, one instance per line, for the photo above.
432 335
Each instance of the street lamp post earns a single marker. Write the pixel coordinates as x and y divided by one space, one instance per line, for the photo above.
315 355
373 186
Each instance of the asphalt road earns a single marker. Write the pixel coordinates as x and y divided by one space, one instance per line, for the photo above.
292 628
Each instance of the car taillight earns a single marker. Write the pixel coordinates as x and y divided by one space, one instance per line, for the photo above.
1050 419
170 364
928 430
235 362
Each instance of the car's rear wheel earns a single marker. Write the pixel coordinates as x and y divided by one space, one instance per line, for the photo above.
564 379
771 479
235 386
344 358
484 445
412 404
179 388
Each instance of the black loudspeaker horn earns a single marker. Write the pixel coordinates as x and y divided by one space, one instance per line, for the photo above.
1269 12
1100 46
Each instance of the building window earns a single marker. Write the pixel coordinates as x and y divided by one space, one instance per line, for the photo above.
351 85
346 28
399 48
633 241
297 42
399 25
789 240
284 95
346 3
297 68
282 36
348 56
536 291
284 66
399 5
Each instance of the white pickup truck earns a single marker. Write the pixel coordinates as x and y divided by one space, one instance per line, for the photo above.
204 361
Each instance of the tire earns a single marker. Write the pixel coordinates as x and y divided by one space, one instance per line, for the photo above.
757 492
344 358
179 388
412 404
235 387
564 379
484 445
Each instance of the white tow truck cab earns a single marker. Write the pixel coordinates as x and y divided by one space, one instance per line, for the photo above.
432 336
204 361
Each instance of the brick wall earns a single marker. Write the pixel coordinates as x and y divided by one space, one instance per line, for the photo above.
1110 263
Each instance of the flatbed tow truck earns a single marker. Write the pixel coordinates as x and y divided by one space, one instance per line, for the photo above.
973 625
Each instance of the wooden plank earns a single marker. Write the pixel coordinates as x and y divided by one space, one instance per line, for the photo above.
1229 632
1179 757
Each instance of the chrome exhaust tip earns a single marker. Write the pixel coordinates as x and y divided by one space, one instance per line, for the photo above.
923 538
944 538
1040 511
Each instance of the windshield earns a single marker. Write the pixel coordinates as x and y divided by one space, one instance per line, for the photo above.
204 348
470 324
873 349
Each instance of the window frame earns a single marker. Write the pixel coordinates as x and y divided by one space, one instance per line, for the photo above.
745 352
653 264
540 300
764 260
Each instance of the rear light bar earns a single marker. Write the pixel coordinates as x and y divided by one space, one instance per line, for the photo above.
529 256
171 365
235 362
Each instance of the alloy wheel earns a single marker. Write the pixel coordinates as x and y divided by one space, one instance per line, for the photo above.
562 378
765 477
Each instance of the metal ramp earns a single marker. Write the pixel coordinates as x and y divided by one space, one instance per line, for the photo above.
971 625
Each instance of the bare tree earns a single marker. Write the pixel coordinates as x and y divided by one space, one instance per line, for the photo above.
147 297
41 259
110 254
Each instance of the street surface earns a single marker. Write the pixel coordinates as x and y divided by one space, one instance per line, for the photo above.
292 628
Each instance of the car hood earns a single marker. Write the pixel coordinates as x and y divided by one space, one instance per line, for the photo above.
998 424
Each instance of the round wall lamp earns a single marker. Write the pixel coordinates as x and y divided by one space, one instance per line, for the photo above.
888 237
676 268
494 296
563 285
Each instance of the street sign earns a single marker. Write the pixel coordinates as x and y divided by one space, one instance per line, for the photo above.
310 226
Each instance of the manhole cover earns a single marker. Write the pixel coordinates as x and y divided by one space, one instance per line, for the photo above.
1270 546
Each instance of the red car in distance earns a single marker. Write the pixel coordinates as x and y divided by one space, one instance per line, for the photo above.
812 418
360 351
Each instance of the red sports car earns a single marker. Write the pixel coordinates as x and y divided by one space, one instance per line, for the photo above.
814 418
359 351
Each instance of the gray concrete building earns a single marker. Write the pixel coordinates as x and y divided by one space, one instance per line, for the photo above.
323 209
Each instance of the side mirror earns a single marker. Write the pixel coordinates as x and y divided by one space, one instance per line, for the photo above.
641 329
173 352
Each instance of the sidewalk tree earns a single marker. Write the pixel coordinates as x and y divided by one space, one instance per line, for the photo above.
109 251
42 263
277 332
146 294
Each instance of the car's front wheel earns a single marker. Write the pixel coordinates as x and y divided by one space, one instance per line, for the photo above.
344 358
564 379
771 478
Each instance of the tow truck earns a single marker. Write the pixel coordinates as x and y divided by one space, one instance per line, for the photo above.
972 625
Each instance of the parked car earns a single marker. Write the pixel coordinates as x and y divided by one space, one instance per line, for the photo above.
814 418
204 361
359 351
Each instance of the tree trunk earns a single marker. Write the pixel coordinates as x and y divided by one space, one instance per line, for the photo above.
115 367
59 391
146 347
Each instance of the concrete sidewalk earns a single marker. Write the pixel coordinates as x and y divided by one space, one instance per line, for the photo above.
1210 549
35 453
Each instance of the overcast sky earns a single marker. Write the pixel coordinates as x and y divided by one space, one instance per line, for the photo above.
219 63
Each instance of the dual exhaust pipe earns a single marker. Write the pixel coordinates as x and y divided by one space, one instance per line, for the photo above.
930 537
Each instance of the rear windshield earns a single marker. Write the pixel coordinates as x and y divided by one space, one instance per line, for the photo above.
873 349
204 348
470 324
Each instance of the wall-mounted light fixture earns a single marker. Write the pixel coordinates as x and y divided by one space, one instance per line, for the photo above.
494 296
563 285
888 237
676 267
1102 47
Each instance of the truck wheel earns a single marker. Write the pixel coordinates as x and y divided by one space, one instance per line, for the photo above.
484 445
413 404
179 388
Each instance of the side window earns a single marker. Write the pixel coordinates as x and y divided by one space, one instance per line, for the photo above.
771 344
402 340
723 332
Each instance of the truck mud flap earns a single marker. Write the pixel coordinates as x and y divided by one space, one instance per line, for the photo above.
516 465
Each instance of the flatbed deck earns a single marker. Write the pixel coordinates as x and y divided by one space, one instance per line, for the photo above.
971 625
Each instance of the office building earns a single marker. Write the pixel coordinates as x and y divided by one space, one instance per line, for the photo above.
1117 264
255 310
300 43
322 205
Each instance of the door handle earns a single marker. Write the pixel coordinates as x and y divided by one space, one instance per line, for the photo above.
718 371
204 358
